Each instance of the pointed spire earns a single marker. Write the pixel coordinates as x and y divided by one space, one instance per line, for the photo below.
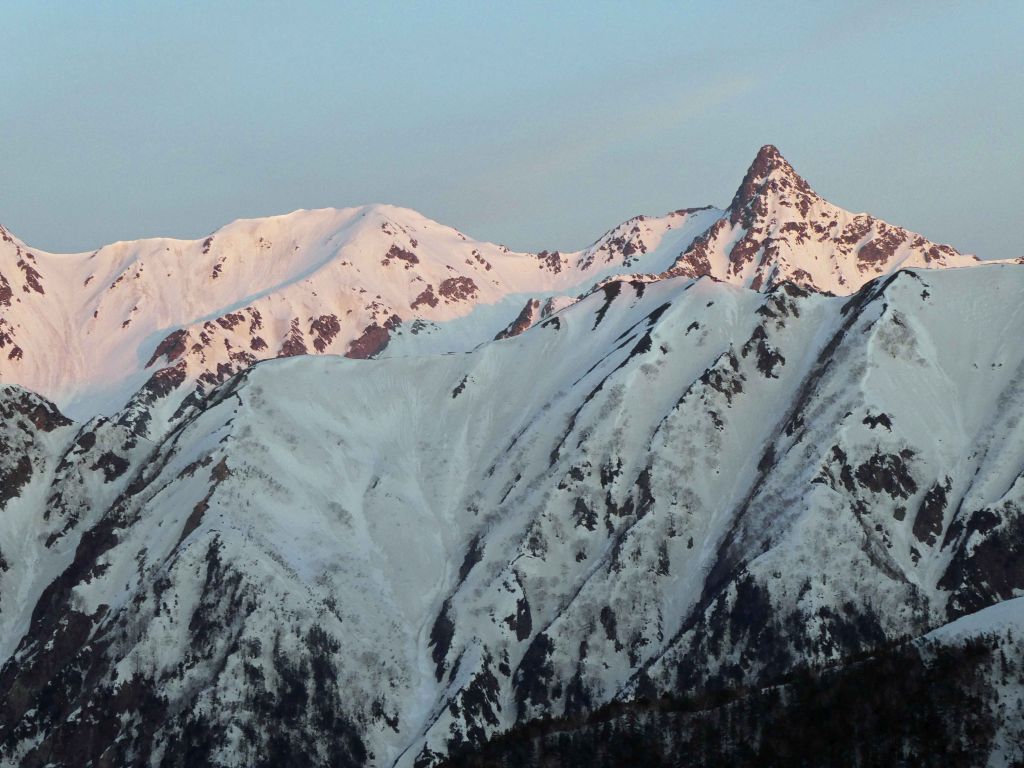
770 171
769 156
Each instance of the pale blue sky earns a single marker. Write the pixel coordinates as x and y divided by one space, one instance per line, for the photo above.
538 125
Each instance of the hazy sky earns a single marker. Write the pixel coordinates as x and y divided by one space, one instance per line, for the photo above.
539 125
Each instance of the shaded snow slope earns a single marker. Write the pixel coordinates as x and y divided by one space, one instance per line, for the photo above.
668 487
995 619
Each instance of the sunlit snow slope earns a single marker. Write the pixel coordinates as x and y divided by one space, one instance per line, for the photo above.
87 330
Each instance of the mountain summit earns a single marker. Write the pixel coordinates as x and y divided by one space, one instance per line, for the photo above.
777 229
769 175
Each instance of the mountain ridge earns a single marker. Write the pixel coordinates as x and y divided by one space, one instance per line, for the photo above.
354 281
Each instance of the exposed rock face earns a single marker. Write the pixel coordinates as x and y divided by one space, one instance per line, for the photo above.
396 252
26 418
373 340
550 261
778 229
171 348
425 298
457 289
324 329
294 342
523 321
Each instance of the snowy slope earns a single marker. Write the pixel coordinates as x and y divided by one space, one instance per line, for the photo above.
671 486
995 619
88 330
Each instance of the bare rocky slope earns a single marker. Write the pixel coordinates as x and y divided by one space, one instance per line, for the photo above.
721 470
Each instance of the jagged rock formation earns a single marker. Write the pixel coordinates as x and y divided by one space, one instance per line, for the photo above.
777 229
668 506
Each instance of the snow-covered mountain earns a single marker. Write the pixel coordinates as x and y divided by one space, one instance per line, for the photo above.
778 229
674 498
88 330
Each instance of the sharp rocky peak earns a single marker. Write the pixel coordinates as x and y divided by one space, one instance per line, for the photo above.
770 178
778 229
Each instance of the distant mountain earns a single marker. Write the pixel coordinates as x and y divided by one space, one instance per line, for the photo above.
777 229
88 330
724 490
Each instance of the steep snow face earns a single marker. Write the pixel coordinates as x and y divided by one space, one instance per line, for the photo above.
89 330
667 487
